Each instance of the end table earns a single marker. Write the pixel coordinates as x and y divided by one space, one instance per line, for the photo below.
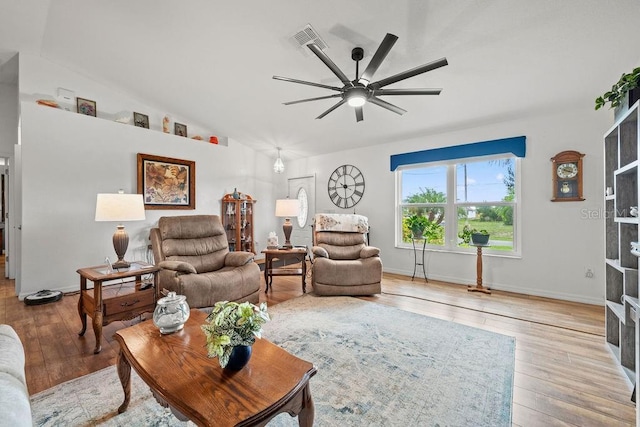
120 301
299 254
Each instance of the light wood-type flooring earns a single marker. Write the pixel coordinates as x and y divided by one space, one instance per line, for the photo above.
565 374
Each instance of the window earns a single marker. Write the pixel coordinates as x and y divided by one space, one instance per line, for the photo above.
477 193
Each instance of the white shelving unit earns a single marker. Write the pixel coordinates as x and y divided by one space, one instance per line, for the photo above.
621 228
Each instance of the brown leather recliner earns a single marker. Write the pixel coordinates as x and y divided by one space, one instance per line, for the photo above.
343 263
193 252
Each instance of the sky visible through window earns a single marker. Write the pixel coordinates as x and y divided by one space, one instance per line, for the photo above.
485 181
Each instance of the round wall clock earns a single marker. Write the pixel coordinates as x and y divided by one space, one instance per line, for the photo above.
346 186
304 207
567 176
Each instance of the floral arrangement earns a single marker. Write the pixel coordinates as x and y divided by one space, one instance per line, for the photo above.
231 324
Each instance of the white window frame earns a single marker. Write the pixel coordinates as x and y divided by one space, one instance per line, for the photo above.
451 205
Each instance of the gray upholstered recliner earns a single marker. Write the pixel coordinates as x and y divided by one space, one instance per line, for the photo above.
343 264
195 259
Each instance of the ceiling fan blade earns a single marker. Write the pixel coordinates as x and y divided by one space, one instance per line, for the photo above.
332 108
384 48
312 99
359 115
302 82
383 92
329 63
409 73
385 104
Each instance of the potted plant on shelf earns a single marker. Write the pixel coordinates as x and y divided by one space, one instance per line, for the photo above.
478 237
628 84
231 330
417 224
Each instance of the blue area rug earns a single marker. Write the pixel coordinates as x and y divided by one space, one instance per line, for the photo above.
377 366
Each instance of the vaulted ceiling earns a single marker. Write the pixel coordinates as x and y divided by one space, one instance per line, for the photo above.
212 61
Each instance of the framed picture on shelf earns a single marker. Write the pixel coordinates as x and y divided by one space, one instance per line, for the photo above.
166 183
141 120
180 129
86 107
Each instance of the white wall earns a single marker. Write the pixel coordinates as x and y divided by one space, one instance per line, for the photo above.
68 158
8 140
557 242
8 117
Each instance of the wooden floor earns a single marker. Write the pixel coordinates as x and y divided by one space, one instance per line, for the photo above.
565 374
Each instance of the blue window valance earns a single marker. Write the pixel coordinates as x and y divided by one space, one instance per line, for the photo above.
515 145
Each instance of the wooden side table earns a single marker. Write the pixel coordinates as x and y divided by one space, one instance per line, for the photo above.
478 287
120 301
297 254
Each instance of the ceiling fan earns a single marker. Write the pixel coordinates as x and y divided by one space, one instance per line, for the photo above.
361 90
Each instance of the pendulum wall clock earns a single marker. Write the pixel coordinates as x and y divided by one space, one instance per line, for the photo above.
567 176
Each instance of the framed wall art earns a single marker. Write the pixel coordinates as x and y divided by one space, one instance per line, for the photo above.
180 129
86 107
141 120
166 183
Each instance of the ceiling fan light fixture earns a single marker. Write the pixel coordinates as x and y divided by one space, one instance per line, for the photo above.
357 97
357 101
278 166
364 88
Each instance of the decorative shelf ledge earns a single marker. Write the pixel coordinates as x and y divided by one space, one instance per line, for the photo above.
630 167
627 220
615 263
123 117
617 309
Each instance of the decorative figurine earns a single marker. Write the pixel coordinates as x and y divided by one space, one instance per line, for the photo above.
165 124
272 240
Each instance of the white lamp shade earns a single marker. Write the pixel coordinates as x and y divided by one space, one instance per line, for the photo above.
119 207
287 208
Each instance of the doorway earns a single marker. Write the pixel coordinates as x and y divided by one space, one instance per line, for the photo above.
303 189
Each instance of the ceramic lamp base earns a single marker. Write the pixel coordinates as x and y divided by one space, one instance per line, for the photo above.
287 227
120 244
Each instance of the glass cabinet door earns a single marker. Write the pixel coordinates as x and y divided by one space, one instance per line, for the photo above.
237 220
246 226
229 222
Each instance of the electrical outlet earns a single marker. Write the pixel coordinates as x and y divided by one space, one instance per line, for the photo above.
588 273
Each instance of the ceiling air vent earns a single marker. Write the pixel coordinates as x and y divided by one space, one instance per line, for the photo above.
308 35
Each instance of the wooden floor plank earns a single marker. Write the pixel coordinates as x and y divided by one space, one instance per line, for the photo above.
565 375
616 411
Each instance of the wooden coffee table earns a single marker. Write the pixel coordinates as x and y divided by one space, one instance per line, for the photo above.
180 375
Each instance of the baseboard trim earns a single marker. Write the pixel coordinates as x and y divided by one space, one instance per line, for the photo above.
507 288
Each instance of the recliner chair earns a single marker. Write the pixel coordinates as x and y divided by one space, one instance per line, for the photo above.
343 263
193 252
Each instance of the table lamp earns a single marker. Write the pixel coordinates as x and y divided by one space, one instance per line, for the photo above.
286 208
120 207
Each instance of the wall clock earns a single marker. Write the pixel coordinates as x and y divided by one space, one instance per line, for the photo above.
346 186
567 176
